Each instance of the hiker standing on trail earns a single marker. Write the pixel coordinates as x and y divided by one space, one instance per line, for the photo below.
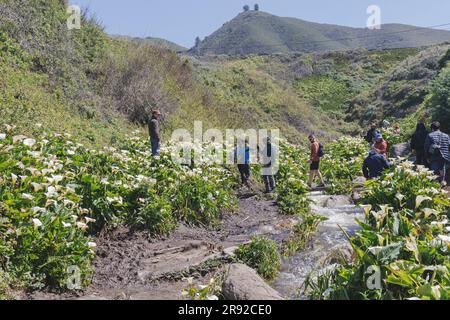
381 146
371 134
242 157
374 165
437 146
316 153
418 144
268 157
153 129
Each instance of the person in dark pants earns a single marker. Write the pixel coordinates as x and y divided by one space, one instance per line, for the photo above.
269 157
372 134
242 156
418 144
374 165
153 129
437 145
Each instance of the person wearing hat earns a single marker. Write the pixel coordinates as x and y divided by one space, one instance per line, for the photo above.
153 129
381 145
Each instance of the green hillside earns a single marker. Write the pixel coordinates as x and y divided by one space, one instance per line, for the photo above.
256 32
159 42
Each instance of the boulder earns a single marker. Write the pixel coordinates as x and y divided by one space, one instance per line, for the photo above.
243 283
401 150
359 181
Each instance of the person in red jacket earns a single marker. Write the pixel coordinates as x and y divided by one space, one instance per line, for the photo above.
381 146
315 162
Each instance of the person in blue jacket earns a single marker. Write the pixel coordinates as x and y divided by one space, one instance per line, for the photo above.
374 165
242 157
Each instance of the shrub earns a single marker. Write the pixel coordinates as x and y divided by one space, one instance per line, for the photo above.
155 216
302 233
261 254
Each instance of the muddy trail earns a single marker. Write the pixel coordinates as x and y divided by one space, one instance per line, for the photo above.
132 266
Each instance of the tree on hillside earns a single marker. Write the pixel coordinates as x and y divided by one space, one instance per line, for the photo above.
256 7
246 8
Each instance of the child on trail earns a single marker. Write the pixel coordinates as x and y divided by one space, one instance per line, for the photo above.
315 162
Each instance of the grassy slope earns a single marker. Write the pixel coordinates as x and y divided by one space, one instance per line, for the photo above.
403 91
260 32
84 77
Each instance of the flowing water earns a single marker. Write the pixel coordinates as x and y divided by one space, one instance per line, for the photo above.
326 243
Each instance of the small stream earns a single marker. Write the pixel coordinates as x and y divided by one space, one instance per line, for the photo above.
328 240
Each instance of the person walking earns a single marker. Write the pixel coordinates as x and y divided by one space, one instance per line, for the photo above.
381 146
418 144
316 154
436 147
154 132
371 134
242 157
374 165
269 158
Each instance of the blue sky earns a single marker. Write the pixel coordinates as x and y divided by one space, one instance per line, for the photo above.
183 20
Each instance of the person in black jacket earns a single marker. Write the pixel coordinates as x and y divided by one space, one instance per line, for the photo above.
418 144
371 134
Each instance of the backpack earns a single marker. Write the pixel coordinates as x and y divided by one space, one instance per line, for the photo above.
321 151
435 148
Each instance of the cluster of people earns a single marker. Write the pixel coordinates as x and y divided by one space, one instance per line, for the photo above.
432 150
267 154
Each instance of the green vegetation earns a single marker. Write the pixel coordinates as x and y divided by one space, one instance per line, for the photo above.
55 193
440 99
257 32
262 255
302 234
403 247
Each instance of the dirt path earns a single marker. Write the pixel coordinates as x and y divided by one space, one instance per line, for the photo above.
132 266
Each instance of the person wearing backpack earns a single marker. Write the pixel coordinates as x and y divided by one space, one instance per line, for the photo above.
437 146
316 153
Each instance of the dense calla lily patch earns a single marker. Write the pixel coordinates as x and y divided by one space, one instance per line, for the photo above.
403 249
55 194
